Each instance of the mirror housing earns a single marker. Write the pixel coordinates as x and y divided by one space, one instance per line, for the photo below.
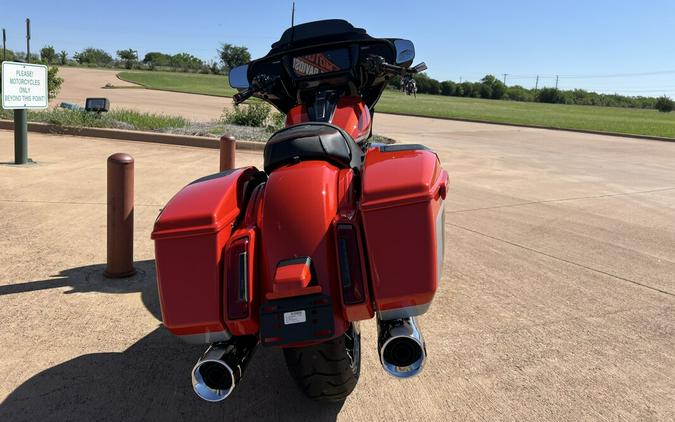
238 77
420 67
405 51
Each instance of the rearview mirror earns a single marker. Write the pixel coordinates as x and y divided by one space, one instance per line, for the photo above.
239 77
405 51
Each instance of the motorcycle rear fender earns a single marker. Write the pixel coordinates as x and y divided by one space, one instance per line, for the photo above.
299 207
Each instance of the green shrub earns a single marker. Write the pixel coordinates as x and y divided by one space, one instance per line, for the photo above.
427 85
253 114
518 93
93 56
485 91
10 55
664 104
550 95
466 89
48 54
53 82
185 62
155 58
277 121
448 88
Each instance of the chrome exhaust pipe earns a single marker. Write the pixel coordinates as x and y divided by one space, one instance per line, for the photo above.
221 367
401 347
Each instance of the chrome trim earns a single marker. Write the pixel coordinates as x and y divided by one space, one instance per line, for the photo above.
407 312
206 338
405 328
233 358
213 354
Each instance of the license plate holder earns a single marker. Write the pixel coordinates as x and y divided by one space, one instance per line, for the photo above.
296 319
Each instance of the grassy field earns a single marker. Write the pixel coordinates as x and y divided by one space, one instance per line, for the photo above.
194 83
605 119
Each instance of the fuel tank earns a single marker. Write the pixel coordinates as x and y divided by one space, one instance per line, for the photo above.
350 113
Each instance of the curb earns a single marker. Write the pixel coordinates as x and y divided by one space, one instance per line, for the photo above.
133 135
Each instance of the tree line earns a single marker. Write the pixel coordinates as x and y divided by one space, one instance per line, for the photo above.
489 87
229 56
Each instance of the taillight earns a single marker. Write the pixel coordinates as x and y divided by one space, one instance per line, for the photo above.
237 279
349 261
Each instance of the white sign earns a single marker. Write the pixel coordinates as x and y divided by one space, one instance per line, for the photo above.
294 317
24 85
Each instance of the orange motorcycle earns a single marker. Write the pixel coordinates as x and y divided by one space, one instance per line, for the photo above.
333 230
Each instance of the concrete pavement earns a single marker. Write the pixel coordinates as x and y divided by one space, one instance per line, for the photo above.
556 302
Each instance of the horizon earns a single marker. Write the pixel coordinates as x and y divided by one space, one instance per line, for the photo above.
617 49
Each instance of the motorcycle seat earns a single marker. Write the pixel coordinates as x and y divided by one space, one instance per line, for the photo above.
312 141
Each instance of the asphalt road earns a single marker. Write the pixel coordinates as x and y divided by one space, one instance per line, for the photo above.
557 301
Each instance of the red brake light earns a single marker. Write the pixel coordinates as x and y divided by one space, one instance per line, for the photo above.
349 261
237 278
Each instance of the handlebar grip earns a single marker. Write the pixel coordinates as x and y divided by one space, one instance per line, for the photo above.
242 96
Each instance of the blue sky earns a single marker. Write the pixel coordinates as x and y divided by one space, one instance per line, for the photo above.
588 43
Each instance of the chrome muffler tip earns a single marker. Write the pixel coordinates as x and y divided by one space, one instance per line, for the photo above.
219 370
212 379
401 347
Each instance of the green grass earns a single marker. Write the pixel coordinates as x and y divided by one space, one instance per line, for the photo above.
195 83
605 119
147 121
114 119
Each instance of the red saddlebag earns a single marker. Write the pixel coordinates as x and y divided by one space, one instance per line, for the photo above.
404 188
190 234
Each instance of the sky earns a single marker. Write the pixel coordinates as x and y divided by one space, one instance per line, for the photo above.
627 47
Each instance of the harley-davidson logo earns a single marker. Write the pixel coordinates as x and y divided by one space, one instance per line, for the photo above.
313 64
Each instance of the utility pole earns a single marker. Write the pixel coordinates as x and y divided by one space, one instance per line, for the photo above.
460 79
505 77
556 82
27 40
536 84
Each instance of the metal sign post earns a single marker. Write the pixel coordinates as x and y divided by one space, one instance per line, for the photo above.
21 117
24 86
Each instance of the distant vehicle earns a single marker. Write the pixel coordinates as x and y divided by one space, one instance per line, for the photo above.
335 230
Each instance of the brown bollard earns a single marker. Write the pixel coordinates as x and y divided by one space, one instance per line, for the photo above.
227 148
120 216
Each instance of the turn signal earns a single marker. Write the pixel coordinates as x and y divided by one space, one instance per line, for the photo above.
237 279
349 259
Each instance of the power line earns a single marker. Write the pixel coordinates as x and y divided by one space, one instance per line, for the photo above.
620 75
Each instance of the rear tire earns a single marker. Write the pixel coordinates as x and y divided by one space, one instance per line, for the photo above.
329 371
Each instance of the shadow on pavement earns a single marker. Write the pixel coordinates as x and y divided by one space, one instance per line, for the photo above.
151 379
90 279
